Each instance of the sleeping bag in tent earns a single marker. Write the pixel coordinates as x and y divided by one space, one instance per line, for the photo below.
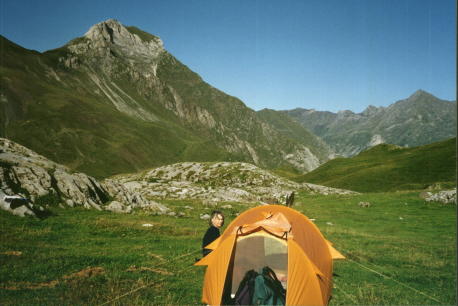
277 237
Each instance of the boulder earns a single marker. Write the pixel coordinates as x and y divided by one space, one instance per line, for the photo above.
425 194
205 217
445 196
364 204
118 207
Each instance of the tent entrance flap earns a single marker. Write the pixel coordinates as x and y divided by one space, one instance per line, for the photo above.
257 250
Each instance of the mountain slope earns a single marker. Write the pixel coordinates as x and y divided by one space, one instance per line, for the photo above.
116 101
389 167
418 120
293 130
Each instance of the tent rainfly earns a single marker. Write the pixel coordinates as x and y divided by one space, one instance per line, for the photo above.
275 236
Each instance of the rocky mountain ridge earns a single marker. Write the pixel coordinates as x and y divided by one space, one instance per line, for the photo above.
418 120
115 101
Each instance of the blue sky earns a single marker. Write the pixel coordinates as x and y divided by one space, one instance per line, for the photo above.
326 55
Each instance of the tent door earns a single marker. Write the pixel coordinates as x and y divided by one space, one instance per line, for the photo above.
253 252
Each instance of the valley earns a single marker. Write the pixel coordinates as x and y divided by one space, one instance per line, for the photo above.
118 153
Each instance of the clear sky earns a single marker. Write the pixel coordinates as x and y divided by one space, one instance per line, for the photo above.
278 54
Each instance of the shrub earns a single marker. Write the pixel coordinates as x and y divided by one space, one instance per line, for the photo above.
50 199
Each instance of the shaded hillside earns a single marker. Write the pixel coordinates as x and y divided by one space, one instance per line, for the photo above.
296 132
418 120
389 167
116 101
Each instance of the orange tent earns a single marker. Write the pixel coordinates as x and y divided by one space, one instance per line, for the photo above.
275 236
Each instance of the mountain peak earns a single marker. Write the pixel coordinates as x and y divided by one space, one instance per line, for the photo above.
371 110
107 30
131 40
420 93
345 113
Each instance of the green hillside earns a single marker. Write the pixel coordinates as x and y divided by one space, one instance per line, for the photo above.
389 168
66 121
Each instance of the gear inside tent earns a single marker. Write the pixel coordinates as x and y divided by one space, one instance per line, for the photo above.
278 237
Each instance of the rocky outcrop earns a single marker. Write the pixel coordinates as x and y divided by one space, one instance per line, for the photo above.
445 196
22 210
45 183
113 33
217 182
303 159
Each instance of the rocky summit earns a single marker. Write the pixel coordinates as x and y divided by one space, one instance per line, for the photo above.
116 101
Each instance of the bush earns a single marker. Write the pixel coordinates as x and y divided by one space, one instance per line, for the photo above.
50 199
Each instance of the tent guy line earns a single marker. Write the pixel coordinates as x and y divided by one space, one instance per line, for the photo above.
155 281
388 277
349 296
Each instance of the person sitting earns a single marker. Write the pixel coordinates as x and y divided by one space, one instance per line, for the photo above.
212 233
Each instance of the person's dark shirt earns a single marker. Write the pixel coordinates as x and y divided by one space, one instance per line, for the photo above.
210 235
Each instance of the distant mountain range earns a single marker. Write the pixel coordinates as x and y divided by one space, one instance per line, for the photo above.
116 101
418 120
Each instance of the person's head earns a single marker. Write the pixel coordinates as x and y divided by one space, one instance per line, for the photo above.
217 219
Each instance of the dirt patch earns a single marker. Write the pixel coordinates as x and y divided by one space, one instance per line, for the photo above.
142 269
12 253
159 257
29 285
85 273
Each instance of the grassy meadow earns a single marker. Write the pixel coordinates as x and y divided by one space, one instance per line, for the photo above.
83 257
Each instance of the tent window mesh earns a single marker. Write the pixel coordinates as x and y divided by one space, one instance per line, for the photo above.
255 251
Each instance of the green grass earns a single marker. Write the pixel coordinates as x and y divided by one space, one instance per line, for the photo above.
418 251
389 168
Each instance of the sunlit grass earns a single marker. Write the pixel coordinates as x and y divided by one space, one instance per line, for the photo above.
154 265
389 168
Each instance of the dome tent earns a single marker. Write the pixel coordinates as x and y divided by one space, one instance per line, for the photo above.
275 236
